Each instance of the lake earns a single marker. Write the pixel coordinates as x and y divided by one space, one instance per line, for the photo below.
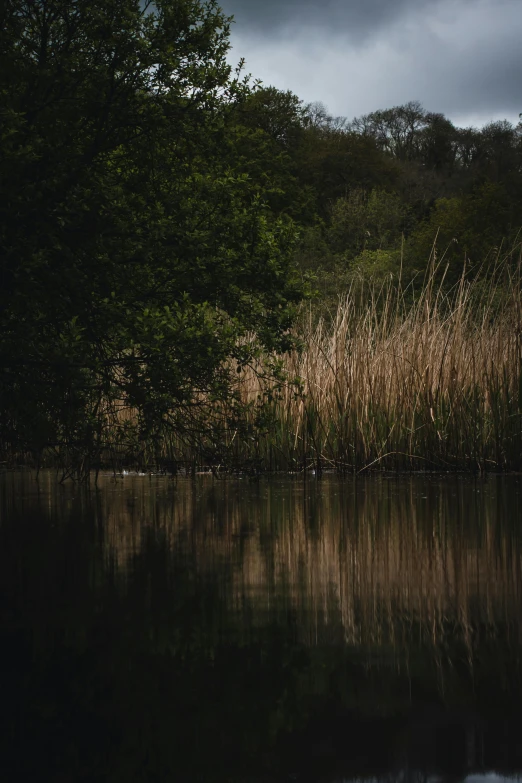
286 629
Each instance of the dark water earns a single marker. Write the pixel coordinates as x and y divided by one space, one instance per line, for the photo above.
284 630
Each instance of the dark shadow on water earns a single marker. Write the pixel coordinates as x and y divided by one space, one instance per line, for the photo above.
279 631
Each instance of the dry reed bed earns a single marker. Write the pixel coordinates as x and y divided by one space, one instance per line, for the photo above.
434 384
390 381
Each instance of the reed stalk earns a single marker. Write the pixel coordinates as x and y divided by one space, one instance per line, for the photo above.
393 380
404 383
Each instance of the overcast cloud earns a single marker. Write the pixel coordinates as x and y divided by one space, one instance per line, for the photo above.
460 57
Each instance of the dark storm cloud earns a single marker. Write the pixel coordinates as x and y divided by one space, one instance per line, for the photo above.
354 18
488 85
460 57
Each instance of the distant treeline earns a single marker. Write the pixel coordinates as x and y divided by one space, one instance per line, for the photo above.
391 190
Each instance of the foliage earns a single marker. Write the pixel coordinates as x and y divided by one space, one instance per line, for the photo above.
367 221
467 233
376 265
408 182
138 257
395 130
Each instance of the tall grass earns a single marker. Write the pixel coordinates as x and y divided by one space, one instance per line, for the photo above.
392 380
403 382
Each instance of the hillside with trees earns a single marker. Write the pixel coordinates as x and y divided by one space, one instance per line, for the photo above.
384 190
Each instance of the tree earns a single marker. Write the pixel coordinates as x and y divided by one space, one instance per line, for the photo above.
139 264
279 113
396 130
438 143
271 127
367 221
499 151
471 232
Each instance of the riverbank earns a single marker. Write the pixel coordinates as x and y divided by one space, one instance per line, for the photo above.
390 381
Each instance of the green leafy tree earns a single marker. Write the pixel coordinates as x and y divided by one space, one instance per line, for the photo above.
139 262
334 161
367 221
309 157
468 233
270 134
280 114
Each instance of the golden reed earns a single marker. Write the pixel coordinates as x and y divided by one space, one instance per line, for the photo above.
433 382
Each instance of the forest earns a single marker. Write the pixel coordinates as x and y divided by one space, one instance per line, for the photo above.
201 272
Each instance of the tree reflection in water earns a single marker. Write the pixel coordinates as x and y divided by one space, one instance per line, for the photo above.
227 630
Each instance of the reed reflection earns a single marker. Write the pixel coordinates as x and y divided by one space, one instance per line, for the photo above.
325 629
358 560
365 559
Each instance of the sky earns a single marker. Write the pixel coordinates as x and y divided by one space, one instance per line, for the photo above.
459 57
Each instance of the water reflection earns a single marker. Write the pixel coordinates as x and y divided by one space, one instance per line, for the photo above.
308 630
